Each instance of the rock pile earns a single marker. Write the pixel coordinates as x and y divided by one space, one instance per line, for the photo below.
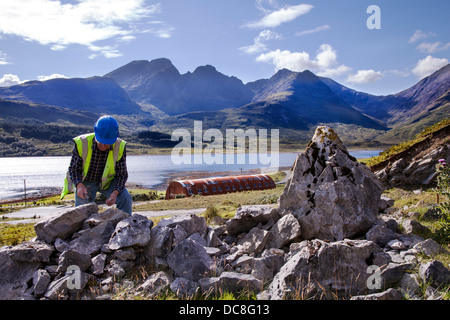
331 236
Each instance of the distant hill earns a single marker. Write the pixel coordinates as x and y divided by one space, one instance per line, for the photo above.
97 94
407 112
159 83
45 113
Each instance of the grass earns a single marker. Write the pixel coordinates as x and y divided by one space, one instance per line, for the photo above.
222 202
13 234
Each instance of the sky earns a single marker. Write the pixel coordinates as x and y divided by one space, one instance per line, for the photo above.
375 46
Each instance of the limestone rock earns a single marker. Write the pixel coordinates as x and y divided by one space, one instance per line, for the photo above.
14 275
380 234
191 223
41 280
254 241
284 231
414 227
322 269
160 245
434 273
190 260
112 215
231 282
184 288
429 247
331 194
247 217
156 283
73 258
65 223
91 240
134 230
31 251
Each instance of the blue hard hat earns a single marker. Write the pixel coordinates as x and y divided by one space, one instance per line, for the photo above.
106 130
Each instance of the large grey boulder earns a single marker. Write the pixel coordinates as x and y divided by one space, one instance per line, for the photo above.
250 216
91 240
73 258
434 273
67 287
156 283
160 244
190 260
231 282
41 280
31 251
134 230
284 231
254 241
65 223
112 215
324 270
190 223
331 194
429 247
14 275
184 288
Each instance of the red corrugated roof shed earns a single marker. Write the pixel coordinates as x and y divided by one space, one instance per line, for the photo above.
219 185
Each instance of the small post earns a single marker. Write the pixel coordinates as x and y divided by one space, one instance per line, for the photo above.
25 190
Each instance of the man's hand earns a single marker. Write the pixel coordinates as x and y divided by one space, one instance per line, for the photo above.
82 191
112 198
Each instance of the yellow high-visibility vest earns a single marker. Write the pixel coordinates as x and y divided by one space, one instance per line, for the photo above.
84 147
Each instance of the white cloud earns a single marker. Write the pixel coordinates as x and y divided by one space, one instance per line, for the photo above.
9 80
3 58
429 47
365 76
419 34
106 51
311 31
259 43
52 76
60 24
324 64
428 65
401 73
334 72
278 17
260 5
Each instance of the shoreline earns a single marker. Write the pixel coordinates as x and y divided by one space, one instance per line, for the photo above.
46 192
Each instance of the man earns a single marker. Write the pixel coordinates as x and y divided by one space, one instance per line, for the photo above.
98 164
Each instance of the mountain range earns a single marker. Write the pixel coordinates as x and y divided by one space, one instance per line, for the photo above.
154 95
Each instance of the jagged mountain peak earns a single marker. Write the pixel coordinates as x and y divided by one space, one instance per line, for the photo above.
286 83
206 69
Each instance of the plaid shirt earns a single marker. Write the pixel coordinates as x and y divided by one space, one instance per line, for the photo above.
96 167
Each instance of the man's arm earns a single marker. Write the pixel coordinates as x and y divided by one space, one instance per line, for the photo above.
76 167
76 173
121 172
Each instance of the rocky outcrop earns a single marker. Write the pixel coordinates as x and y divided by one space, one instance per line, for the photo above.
332 195
274 251
417 164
